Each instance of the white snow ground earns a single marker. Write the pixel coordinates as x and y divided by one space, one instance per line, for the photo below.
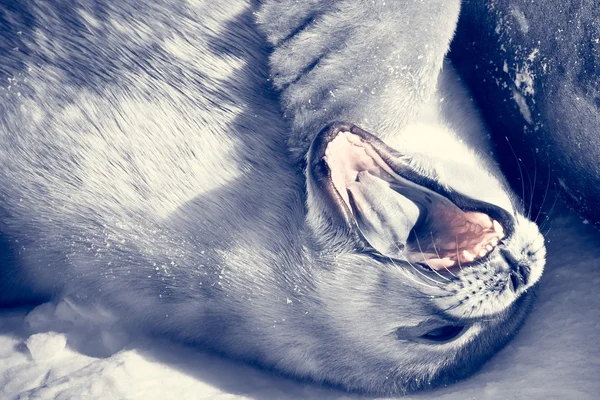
58 352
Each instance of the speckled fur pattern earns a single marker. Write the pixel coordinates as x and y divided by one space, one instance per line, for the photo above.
145 169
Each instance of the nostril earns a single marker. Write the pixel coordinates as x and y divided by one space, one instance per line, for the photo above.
524 271
514 280
519 272
510 259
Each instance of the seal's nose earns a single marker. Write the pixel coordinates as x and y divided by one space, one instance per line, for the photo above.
519 270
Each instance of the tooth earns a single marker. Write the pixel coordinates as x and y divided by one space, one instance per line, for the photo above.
489 247
498 228
468 256
440 263
482 253
494 241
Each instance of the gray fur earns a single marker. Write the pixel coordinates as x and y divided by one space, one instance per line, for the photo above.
370 62
144 169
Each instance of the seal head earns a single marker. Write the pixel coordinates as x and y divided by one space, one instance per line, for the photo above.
443 278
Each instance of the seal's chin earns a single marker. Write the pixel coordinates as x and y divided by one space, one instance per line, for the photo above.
398 212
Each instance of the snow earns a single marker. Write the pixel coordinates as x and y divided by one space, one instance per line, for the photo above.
524 79
522 103
60 351
45 346
520 18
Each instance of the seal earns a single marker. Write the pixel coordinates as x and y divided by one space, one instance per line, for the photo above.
144 168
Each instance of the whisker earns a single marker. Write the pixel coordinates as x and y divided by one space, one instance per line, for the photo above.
532 188
421 250
412 278
548 215
444 297
548 231
438 254
545 194
561 247
458 255
458 304
416 269
520 172
421 272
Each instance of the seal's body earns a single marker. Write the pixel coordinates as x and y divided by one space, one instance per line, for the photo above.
539 91
144 167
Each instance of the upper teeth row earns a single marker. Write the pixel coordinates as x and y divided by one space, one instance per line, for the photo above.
498 228
493 241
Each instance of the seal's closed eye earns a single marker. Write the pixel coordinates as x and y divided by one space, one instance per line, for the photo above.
432 332
443 333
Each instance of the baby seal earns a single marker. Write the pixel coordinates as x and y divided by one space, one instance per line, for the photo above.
144 168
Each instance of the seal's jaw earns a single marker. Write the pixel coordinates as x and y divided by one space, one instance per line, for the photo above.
396 212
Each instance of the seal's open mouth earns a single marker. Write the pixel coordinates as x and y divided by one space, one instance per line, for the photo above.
398 212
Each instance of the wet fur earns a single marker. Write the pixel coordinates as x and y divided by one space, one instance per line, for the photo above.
144 167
